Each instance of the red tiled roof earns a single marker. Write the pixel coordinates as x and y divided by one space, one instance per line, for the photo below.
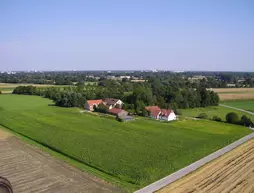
166 112
155 110
114 111
94 102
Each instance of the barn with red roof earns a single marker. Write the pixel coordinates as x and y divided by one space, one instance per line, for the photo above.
91 103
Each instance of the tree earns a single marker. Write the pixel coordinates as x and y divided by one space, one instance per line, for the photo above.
177 111
0 92
202 116
232 118
101 108
245 121
216 118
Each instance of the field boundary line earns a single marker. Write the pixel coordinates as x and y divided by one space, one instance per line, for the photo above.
192 167
249 112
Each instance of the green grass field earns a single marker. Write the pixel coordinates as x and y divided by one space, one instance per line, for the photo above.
242 104
132 154
213 111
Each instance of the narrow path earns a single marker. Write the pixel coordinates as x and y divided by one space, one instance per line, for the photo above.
192 167
31 170
249 112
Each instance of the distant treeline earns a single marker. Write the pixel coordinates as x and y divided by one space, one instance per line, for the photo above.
206 79
172 93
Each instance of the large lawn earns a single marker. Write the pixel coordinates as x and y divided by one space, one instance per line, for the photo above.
242 104
136 153
213 111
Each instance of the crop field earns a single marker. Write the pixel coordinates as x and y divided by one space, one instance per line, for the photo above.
8 88
233 172
132 154
234 93
242 104
213 111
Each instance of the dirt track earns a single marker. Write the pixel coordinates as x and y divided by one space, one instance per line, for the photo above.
231 173
31 170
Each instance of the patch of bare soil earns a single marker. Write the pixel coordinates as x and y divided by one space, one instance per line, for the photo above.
4 134
231 173
31 170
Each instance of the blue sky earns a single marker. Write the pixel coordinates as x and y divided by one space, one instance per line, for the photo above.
127 35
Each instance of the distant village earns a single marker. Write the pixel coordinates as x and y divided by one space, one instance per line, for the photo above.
114 107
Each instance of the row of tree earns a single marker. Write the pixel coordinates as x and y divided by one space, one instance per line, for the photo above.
231 117
64 97
173 93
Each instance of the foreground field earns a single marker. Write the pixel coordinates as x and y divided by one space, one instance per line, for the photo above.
36 171
134 154
235 93
232 172
247 105
213 111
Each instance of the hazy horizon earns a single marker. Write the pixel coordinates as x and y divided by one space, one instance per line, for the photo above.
127 35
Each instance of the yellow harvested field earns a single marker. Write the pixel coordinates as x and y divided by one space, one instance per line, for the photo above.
231 173
8 85
234 93
226 90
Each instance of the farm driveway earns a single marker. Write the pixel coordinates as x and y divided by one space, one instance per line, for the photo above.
252 113
31 170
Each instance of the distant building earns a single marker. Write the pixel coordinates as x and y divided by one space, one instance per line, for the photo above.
127 77
91 103
230 85
161 114
138 80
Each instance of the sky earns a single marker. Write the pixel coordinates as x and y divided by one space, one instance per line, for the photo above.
211 35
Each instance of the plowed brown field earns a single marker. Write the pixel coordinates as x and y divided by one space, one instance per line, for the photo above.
31 170
235 93
231 173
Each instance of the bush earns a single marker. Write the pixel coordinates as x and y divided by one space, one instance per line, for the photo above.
245 121
232 118
216 118
101 108
178 112
0 92
202 116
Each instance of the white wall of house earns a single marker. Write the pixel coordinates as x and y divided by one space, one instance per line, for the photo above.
171 117
120 103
